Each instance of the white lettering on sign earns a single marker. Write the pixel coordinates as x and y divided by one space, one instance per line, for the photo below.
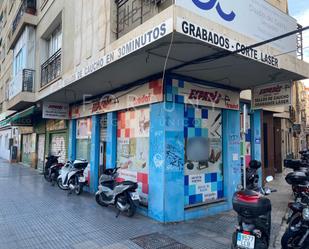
276 94
133 45
210 36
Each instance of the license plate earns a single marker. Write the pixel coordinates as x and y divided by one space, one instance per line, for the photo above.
245 241
134 196
82 179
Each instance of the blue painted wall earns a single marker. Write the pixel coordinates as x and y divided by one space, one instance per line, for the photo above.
231 153
111 144
72 140
166 162
95 153
256 135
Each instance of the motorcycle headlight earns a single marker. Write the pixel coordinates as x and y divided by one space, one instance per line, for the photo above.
306 213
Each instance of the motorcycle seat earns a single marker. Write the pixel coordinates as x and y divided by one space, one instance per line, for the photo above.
128 183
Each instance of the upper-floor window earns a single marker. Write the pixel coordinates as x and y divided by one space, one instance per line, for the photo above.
132 13
55 41
18 62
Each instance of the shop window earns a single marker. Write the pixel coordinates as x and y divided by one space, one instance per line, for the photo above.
83 139
203 155
133 148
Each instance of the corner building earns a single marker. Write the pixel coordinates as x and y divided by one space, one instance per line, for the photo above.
148 86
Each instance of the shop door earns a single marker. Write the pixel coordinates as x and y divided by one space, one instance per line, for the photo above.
26 149
278 145
268 145
103 136
58 146
41 152
102 165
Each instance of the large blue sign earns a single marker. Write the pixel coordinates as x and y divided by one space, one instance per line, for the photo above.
215 4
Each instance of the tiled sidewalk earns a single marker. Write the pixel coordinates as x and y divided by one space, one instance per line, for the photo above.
35 215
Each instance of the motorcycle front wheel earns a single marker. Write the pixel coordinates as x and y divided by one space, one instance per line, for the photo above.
99 200
47 176
60 185
291 239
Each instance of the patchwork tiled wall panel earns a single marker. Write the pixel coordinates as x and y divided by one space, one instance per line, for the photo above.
133 148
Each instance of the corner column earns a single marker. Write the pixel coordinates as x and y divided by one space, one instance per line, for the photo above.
166 162
231 152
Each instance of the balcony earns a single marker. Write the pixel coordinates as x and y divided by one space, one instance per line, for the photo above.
51 69
26 15
21 90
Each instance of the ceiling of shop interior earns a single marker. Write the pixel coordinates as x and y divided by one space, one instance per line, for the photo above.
235 71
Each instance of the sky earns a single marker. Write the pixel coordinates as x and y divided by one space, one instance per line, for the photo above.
299 9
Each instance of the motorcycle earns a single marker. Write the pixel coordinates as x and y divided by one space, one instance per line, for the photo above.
296 235
254 218
122 195
72 176
52 168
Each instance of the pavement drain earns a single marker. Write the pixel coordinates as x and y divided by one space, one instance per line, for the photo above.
158 241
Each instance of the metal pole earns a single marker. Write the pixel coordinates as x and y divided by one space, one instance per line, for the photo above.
245 112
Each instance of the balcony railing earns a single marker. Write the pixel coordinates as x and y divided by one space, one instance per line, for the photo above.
27 6
51 69
22 82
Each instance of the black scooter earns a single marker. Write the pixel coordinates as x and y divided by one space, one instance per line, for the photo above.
52 168
296 235
254 212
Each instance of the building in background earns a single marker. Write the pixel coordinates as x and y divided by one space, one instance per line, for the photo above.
148 86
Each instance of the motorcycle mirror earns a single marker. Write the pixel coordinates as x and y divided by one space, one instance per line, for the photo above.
267 191
269 178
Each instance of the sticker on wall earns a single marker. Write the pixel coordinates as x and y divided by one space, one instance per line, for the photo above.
203 155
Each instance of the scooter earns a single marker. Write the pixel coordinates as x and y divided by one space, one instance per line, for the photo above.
123 195
52 168
72 176
254 218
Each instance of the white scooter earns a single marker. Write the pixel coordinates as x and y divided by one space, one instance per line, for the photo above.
72 176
